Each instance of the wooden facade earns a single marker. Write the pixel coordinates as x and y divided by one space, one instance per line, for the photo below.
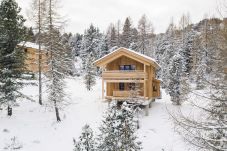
123 68
32 57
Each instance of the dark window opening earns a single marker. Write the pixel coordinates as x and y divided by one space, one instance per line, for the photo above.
25 50
121 86
155 88
127 67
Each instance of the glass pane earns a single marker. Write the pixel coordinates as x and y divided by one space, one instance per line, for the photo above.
121 67
133 67
127 67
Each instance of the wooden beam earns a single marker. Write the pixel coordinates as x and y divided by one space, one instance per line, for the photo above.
145 88
124 81
102 89
145 84
116 55
121 98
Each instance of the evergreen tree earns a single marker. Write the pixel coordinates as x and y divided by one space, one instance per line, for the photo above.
12 32
209 131
86 141
103 47
30 35
126 37
175 70
108 138
38 15
134 39
89 77
145 29
75 43
165 50
112 37
58 61
69 54
90 43
118 130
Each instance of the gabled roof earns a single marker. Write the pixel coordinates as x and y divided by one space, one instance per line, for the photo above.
30 45
128 53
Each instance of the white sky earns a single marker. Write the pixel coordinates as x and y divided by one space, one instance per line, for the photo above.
81 13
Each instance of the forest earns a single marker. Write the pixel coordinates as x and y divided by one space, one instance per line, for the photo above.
192 56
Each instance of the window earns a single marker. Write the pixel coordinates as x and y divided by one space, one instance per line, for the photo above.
127 67
133 67
25 50
121 67
121 86
154 88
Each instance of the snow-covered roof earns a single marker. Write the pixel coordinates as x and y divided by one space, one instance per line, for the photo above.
131 51
30 45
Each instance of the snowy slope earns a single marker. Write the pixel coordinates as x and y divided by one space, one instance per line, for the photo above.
36 129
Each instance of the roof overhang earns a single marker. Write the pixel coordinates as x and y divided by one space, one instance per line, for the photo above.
102 62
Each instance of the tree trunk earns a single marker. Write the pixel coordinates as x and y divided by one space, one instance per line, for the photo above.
57 112
10 111
178 102
39 41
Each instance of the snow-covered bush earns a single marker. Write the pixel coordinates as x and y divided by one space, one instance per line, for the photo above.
118 130
13 144
86 141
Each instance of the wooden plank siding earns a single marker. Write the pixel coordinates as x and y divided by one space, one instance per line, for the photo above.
32 58
143 74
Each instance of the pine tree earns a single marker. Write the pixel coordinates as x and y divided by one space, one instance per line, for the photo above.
30 35
145 29
38 15
126 37
12 32
175 70
165 50
112 37
89 77
108 138
209 131
118 130
69 53
58 61
86 141
75 43
90 43
103 47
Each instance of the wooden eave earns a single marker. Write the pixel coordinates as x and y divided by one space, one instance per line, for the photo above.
123 52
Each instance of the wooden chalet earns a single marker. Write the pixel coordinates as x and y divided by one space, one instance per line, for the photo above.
32 57
122 69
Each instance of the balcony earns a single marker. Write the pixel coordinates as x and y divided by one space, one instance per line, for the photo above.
124 75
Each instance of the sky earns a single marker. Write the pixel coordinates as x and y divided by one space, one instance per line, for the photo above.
79 14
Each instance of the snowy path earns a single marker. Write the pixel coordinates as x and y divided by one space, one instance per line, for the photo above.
36 129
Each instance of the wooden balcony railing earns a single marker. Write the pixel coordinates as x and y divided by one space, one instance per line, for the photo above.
121 93
125 74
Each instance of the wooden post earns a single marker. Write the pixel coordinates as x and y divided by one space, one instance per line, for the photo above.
145 83
150 104
145 89
102 89
147 110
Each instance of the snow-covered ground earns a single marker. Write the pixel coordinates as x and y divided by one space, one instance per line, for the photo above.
35 128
